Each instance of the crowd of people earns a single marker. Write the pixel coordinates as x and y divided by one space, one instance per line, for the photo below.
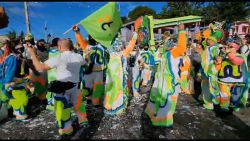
65 77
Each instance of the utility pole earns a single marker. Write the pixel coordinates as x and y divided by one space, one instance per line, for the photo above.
27 17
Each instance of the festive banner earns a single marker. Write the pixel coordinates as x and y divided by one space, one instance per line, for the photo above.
142 24
104 24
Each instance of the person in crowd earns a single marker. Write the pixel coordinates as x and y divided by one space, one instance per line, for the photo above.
147 64
116 86
40 81
164 93
53 52
13 85
4 52
233 79
210 65
66 87
94 74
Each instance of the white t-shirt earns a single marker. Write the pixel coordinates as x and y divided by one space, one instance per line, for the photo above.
67 66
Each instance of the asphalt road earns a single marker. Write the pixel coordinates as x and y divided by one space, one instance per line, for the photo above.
191 121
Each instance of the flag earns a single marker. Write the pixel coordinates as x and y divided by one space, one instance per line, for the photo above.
104 24
142 26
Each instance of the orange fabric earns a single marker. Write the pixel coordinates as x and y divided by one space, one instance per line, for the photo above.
129 48
217 67
186 66
181 47
82 43
42 96
39 80
5 54
138 23
95 101
206 33
198 36
78 103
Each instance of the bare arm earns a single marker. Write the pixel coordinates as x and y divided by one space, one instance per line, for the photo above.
83 43
38 65
130 46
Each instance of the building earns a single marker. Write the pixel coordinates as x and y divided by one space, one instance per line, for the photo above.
162 25
241 28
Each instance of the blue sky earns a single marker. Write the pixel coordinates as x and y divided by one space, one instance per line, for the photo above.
60 16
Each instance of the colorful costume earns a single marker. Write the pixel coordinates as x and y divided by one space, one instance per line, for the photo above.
94 81
233 81
136 73
18 98
148 67
116 87
185 74
53 52
166 87
210 89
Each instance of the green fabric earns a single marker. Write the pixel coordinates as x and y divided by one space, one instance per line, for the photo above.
115 79
217 34
246 81
151 30
40 89
62 114
212 38
3 97
144 30
19 100
163 75
104 24
174 21
209 70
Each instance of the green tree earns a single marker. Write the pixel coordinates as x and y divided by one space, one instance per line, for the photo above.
21 35
140 11
124 19
164 12
232 11
210 13
179 9
221 11
12 35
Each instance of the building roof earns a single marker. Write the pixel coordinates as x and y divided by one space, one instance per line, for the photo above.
175 21
172 21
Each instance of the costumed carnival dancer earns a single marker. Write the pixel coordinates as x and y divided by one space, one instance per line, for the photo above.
95 75
166 88
116 87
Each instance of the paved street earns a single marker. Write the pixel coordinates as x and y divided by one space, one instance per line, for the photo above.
191 121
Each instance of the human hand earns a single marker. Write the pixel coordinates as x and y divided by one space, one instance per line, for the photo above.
75 28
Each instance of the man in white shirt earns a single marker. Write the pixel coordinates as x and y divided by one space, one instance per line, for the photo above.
67 65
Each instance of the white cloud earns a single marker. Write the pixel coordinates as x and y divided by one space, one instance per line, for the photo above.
37 4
